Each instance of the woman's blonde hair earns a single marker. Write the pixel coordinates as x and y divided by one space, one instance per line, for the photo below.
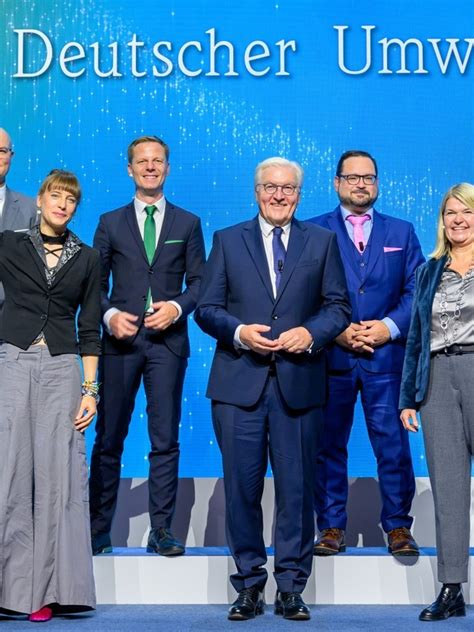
62 181
464 192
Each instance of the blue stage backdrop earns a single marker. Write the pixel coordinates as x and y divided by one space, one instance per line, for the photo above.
227 85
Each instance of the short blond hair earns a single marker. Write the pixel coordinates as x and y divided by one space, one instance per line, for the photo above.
464 192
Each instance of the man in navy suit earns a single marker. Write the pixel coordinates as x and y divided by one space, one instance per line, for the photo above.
150 248
17 211
380 255
273 294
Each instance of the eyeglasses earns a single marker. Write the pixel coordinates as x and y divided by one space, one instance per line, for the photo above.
354 178
6 150
286 189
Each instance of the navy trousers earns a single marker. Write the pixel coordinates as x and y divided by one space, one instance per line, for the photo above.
163 376
246 437
379 397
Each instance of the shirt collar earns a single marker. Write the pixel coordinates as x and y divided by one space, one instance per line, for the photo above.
346 213
140 205
267 228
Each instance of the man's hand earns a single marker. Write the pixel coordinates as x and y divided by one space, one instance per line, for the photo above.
163 316
122 325
296 340
376 333
250 335
409 420
348 340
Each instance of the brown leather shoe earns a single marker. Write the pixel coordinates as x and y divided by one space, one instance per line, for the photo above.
330 542
401 542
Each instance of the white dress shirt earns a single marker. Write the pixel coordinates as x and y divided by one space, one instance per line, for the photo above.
3 191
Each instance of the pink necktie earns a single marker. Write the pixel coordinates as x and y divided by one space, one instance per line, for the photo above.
358 221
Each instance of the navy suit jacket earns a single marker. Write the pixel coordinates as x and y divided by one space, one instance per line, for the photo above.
384 288
179 258
416 368
236 289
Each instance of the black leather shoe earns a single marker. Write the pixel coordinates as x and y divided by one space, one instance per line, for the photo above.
449 603
291 606
100 543
248 604
162 541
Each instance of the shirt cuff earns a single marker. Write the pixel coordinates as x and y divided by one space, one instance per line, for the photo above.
238 344
178 307
393 329
106 318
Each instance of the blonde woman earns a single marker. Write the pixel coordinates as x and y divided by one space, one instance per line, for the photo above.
438 378
49 276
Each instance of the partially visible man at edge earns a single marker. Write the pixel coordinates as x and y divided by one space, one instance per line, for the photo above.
17 211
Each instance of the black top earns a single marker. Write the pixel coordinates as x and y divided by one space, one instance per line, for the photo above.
38 300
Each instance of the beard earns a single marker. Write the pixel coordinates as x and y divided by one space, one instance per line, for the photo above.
358 202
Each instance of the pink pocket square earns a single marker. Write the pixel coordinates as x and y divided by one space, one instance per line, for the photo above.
391 249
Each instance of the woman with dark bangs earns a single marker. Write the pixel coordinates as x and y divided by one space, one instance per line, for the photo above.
49 276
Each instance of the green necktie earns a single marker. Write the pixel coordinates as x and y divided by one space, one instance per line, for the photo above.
149 239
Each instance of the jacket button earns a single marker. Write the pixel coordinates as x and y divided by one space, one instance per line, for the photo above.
150 270
274 317
361 291
44 316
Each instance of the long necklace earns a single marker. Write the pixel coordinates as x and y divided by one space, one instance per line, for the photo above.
444 316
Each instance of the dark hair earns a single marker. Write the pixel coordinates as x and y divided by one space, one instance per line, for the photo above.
147 139
354 153
63 181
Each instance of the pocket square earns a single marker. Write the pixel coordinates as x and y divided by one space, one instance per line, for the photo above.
391 249
174 241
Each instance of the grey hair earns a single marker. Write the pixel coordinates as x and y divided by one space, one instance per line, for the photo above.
277 161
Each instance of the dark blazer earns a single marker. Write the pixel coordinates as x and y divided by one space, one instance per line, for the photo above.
383 287
32 307
236 289
19 213
179 258
416 368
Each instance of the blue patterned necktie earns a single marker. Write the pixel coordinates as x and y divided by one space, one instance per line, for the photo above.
279 254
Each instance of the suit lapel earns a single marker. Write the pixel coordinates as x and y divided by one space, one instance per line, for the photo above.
168 221
253 240
377 240
132 222
296 244
37 270
336 224
10 209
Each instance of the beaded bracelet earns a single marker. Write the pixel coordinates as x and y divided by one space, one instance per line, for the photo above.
91 389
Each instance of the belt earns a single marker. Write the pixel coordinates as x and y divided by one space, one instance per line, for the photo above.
454 350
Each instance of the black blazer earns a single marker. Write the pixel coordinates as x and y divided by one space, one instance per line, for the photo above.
179 259
32 307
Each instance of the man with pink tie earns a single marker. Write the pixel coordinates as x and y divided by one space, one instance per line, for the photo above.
380 254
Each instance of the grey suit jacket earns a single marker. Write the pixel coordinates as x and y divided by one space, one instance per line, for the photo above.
19 213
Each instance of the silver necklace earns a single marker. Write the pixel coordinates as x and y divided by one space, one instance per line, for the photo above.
444 317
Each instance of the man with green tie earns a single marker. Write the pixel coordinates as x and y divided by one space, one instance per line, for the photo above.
150 249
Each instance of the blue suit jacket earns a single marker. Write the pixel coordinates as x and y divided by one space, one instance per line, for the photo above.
385 288
236 289
416 368
179 258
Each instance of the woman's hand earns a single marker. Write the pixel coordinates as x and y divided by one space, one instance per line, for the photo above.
86 413
409 420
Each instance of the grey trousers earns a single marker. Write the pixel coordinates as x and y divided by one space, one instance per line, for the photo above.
447 416
45 550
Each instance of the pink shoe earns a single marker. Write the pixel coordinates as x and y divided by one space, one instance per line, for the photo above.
43 614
